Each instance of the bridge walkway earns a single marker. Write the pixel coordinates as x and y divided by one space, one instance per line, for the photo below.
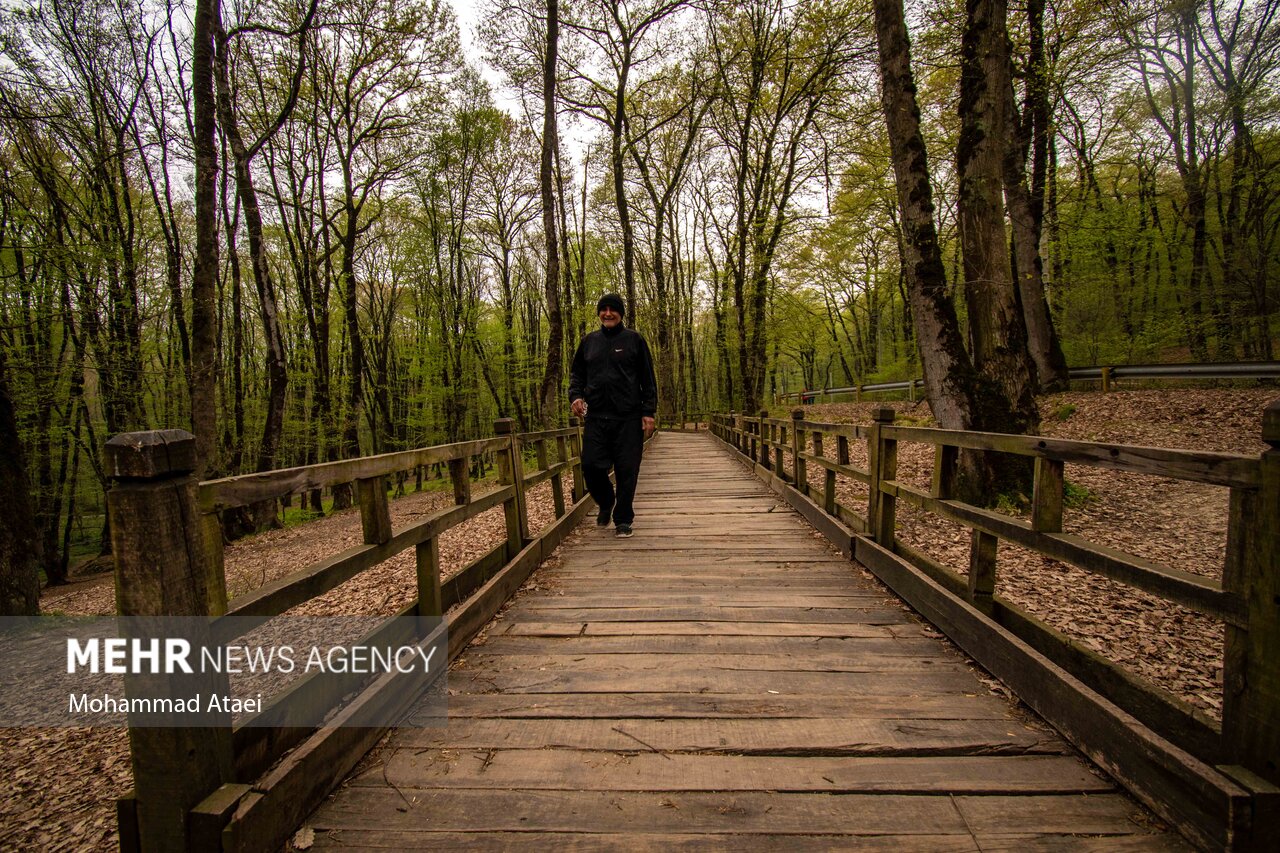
723 679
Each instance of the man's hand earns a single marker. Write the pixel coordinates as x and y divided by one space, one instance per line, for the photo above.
579 408
649 426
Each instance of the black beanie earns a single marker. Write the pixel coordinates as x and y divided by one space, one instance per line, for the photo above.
614 301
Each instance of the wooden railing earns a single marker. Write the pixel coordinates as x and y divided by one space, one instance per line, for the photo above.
1217 782
250 786
685 422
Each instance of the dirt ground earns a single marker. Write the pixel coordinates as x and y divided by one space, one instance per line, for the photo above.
59 785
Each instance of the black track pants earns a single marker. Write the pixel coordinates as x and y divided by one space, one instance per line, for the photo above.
616 444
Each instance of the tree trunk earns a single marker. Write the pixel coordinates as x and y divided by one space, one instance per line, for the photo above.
264 512
617 133
996 328
1026 210
551 377
19 540
204 273
958 395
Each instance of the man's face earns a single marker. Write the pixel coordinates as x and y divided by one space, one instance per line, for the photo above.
609 318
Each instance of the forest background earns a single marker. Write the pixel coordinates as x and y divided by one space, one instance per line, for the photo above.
399 256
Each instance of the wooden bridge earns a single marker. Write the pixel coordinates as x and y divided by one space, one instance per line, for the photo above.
728 677
712 682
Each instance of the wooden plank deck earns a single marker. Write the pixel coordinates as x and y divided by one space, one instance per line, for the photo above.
722 679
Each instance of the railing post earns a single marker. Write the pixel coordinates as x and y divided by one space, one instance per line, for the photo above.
779 433
1251 683
557 482
1046 514
842 458
161 570
1106 380
460 474
575 447
430 602
511 473
763 458
375 514
944 471
799 474
882 453
211 528
982 569
828 477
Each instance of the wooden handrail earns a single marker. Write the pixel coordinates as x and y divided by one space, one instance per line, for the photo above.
245 489
177 805
1218 469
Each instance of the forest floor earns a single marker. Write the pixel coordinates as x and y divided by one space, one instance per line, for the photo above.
60 785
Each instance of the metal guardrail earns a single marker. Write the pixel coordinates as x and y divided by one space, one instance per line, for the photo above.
1104 374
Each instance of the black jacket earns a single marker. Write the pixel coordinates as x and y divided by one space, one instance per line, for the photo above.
613 371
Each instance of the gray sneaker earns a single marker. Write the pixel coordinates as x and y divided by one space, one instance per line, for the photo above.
623 531
603 517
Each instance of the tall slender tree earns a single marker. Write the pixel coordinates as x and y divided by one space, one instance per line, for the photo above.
553 373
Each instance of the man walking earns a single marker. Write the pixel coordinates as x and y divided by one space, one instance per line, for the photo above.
611 385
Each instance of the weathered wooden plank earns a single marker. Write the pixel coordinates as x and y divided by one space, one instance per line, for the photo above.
641 769
851 684
849 471
1051 814
1218 469
638 838
1189 728
1070 842
542 476
790 737
695 645
748 563
653 542
777 576
718 537
576 661
753 524
742 628
626 599
873 615
455 809
665 706
230 492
